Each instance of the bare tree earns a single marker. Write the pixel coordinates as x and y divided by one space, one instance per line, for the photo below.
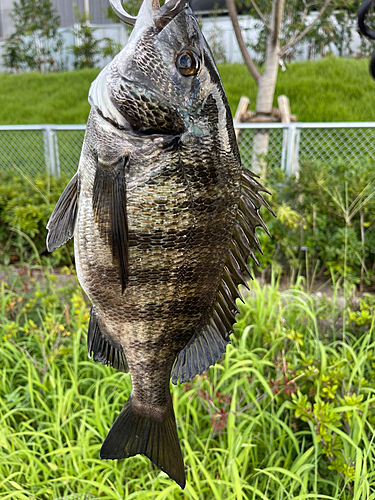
266 81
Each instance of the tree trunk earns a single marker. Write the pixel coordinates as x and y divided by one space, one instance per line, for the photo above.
266 89
267 82
232 11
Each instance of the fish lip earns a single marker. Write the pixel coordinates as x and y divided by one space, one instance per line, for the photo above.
167 12
153 16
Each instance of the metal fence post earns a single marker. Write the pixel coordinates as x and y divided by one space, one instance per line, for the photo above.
295 167
47 160
284 147
56 153
49 151
290 148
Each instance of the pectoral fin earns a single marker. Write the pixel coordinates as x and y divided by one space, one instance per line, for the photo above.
109 205
62 221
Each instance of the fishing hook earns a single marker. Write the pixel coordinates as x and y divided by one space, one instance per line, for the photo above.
366 31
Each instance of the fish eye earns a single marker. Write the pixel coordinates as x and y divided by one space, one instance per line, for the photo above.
187 63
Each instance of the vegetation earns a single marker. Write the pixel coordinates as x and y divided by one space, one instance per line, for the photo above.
324 226
36 39
32 98
327 90
325 223
25 207
88 48
288 414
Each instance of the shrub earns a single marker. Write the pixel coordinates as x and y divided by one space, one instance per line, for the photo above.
25 207
325 221
324 226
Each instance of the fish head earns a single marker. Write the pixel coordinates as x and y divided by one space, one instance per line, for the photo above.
162 80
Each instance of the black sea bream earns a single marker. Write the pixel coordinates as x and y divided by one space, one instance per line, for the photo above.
164 221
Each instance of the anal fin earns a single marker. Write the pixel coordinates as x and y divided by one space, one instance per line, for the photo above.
101 348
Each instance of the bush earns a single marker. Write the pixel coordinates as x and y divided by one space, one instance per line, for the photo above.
324 227
325 222
25 207
325 218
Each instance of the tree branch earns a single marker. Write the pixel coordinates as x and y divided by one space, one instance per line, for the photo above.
296 39
261 16
276 22
232 10
303 19
304 14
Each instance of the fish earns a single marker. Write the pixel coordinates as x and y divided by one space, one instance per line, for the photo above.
163 217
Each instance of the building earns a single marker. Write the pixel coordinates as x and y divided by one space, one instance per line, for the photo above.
217 30
104 27
6 22
64 9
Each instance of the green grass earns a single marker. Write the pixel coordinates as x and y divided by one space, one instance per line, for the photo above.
319 91
33 98
328 90
287 415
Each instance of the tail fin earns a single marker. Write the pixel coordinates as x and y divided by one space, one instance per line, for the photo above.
134 433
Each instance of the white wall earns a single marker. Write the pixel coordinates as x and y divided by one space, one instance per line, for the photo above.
223 24
250 30
6 22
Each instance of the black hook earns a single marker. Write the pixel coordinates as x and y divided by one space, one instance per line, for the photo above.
362 11
365 30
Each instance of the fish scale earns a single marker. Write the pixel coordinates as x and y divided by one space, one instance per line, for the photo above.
192 268
164 218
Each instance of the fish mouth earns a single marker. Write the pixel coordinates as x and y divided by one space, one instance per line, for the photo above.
118 95
161 15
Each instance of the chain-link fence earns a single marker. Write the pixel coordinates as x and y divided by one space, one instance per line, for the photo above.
293 143
36 149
